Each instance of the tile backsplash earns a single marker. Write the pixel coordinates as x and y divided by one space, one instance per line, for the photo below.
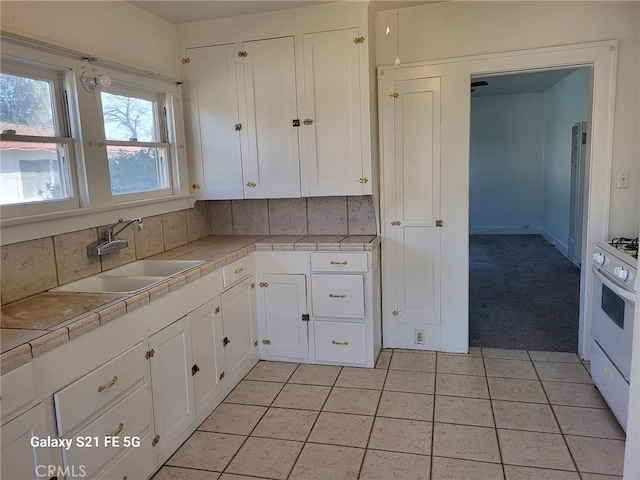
294 216
34 266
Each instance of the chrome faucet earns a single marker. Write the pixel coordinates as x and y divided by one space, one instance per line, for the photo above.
110 243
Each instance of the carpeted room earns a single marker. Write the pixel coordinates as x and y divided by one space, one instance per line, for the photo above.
527 175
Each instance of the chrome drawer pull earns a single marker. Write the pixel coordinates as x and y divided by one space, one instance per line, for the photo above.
339 343
335 295
113 381
333 262
117 430
238 270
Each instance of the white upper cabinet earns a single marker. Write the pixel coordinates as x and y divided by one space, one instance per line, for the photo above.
331 132
270 165
215 128
281 106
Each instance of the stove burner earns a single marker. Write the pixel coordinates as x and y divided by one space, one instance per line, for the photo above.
628 245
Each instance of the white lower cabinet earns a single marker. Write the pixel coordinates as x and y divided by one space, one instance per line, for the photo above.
282 303
19 459
342 326
239 330
173 397
197 359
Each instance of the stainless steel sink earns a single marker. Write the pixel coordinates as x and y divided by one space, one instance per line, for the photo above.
129 278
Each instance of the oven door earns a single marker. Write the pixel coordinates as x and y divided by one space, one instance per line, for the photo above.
612 325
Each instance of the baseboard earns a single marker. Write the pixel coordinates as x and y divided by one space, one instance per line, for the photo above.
561 246
505 230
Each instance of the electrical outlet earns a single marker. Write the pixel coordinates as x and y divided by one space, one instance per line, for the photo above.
418 336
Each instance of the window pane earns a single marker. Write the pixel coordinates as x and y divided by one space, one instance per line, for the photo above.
33 172
129 118
137 169
26 106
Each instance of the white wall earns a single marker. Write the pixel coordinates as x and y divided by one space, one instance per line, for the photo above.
456 29
505 163
567 103
113 30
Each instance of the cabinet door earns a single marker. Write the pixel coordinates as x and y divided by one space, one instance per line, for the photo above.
240 330
171 380
215 142
19 459
283 301
270 164
331 135
208 354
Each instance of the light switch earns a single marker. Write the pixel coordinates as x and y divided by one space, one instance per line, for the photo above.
623 179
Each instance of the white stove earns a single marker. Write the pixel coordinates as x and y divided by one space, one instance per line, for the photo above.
615 269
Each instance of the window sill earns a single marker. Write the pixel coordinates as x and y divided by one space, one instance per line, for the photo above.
21 229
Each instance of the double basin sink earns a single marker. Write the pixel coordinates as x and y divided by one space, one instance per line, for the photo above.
130 278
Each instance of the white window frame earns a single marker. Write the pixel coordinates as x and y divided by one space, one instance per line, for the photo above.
160 101
95 205
57 79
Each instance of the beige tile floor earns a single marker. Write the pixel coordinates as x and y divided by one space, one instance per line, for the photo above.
493 414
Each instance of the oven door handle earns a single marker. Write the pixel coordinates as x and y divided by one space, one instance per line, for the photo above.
624 293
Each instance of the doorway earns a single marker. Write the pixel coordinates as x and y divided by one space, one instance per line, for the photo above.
527 167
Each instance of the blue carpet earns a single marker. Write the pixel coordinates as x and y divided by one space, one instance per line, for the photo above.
523 294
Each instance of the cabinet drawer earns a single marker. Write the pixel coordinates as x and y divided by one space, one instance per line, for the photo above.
130 417
341 342
18 389
138 462
339 262
86 396
339 296
232 274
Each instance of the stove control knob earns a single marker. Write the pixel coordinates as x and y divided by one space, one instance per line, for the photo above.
598 258
621 273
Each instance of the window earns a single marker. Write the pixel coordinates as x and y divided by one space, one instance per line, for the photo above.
137 145
36 164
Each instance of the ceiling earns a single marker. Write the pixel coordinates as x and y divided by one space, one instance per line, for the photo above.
185 11
529 82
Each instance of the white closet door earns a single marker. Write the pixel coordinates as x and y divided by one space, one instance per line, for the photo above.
411 155
271 167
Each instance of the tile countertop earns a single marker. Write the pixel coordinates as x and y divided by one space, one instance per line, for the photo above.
34 325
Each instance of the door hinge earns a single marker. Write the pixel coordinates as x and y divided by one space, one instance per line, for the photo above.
394 95
221 375
295 122
255 344
396 223
396 313
363 180
195 369
253 285
266 342
217 310
439 223
358 40
225 341
263 284
195 186
155 440
251 184
305 317
242 54
149 354
185 60
238 127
